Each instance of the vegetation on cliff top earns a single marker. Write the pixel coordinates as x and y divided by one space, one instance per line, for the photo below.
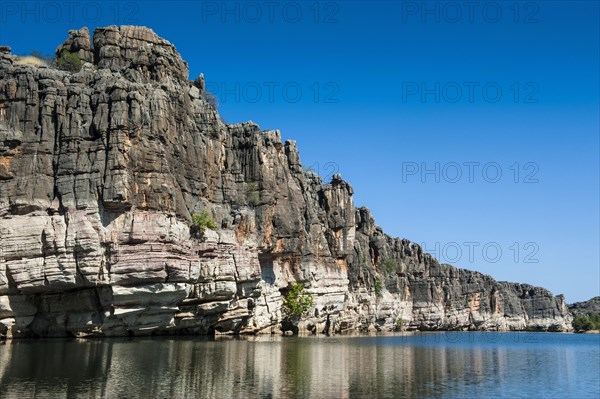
68 61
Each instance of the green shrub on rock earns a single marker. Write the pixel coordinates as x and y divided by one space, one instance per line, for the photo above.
389 266
297 302
200 222
400 323
378 288
68 61
253 195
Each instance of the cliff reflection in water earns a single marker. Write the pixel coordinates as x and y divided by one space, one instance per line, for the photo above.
432 365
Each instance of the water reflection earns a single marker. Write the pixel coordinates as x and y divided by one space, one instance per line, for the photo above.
423 366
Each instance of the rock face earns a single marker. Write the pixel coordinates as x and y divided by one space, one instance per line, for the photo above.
78 43
591 306
102 170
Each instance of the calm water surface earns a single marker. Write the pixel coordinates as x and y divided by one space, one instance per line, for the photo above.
437 365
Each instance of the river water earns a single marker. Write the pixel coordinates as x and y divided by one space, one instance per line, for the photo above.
422 365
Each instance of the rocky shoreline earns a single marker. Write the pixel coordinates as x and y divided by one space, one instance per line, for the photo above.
101 171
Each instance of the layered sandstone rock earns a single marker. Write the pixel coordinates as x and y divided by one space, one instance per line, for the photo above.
101 171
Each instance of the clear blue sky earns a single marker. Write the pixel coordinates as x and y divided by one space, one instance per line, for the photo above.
390 89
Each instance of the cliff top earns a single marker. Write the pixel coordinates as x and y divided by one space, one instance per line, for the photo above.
136 52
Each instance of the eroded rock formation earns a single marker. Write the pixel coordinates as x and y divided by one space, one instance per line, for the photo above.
100 174
591 306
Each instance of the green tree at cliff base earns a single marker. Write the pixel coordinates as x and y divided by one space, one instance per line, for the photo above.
586 322
296 304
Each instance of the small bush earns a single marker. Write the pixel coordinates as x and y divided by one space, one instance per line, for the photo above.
68 61
400 323
389 266
253 195
210 98
200 222
378 288
297 302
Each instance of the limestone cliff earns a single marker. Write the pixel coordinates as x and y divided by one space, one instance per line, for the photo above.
591 306
102 169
